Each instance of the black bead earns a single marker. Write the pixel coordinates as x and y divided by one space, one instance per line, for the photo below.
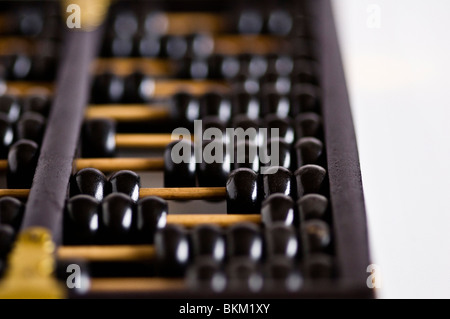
89 181
278 179
305 98
281 241
275 103
107 88
172 251
43 67
249 126
215 123
318 235
244 275
81 220
20 67
246 104
185 109
75 272
280 22
125 24
283 125
31 126
151 215
275 83
139 88
126 182
149 46
246 156
208 241
206 275
223 67
312 206
215 104
200 45
10 106
253 66
250 21
193 68
243 192
117 218
308 125
7 236
6 135
99 138
244 240
276 153
309 150
310 179
282 274
180 170
22 161
11 212
282 65
214 172
305 71
174 47
278 208
39 103
319 266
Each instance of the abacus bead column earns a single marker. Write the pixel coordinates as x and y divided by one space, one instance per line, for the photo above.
309 150
214 171
89 181
11 212
6 135
310 179
278 208
172 250
244 240
312 206
81 220
99 138
117 218
7 236
31 126
318 236
208 241
206 274
22 162
282 241
127 182
278 179
151 215
179 164
243 192
10 106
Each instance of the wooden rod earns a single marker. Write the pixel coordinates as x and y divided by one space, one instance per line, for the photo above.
192 220
125 66
128 112
185 193
143 140
19 193
167 88
146 284
253 44
108 253
24 88
117 164
193 22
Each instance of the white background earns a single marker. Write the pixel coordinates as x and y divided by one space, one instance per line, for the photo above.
398 76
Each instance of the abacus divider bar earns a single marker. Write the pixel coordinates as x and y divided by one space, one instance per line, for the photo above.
47 197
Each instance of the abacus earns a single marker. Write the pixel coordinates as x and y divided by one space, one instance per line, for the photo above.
75 218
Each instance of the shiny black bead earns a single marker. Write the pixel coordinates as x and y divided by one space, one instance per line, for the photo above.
139 88
243 193
31 126
214 123
206 275
283 125
148 46
185 109
125 24
312 206
250 21
246 156
10 106
280 22
39 103
308 125
115 46
126 182
107 88
246 104
193 68
223 66
22 161
275 83
7 236
249 126
30 22
281 65
215 104
215 167
282 274
173 251
11 212
117 218
276 153
253 66
305 98
89 181
174 47
151 215
319 266
281 241
6 135
208 241
309 150
278 208
81 220
99 138
318 236
275 103
244 275
244 240
310 179
278 180
200 45
179 164
20 67
156 23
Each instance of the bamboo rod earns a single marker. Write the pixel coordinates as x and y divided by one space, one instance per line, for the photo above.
121 285
24 88
19 193
143 140
192 220
117 164
185 193
108 253
128 112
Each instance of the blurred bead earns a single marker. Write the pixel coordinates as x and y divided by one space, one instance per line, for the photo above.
107 88
305 98
99 138
312 206
89 181
319 266
274 103
246 104
149 46
7 236
179 164
276 153
281 241
172 251
223 67
309 179
22 161
6 135
10 106
244 275
31 22
318 235
278 180
174 47
193 68
305 71
246 156
280 22
125 24
200 45
282 274
308 125
139 88
244 240
39 103
81 220
208 241
185 109
214 169
309 150
31 126
250 22
250 128
206 275
67 268
243 192
126 182
20 67
117 218
151 215
283 125
11 212
156 23
254 66
215 104
278 208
